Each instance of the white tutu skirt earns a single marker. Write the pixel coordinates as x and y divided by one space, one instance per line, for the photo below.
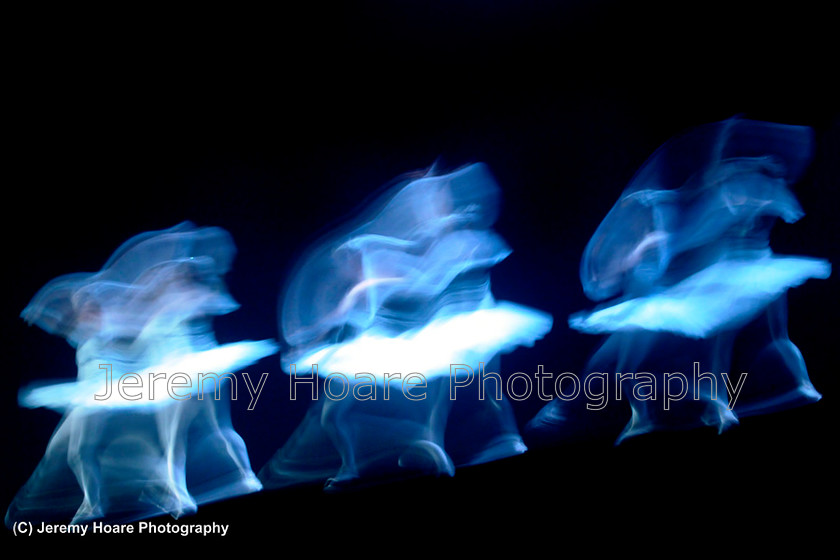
467 338
88 393
725 295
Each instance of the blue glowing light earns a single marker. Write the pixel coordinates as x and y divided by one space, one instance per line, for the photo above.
405 288
686 253
385 318
146 313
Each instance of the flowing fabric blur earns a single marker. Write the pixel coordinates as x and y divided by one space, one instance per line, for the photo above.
684 254
403 289
147 312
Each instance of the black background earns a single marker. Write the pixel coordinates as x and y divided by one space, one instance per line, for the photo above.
275 124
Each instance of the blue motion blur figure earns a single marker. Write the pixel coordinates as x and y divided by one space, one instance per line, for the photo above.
148 311
405 288
685 253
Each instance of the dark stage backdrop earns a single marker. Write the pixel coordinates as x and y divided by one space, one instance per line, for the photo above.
276 125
